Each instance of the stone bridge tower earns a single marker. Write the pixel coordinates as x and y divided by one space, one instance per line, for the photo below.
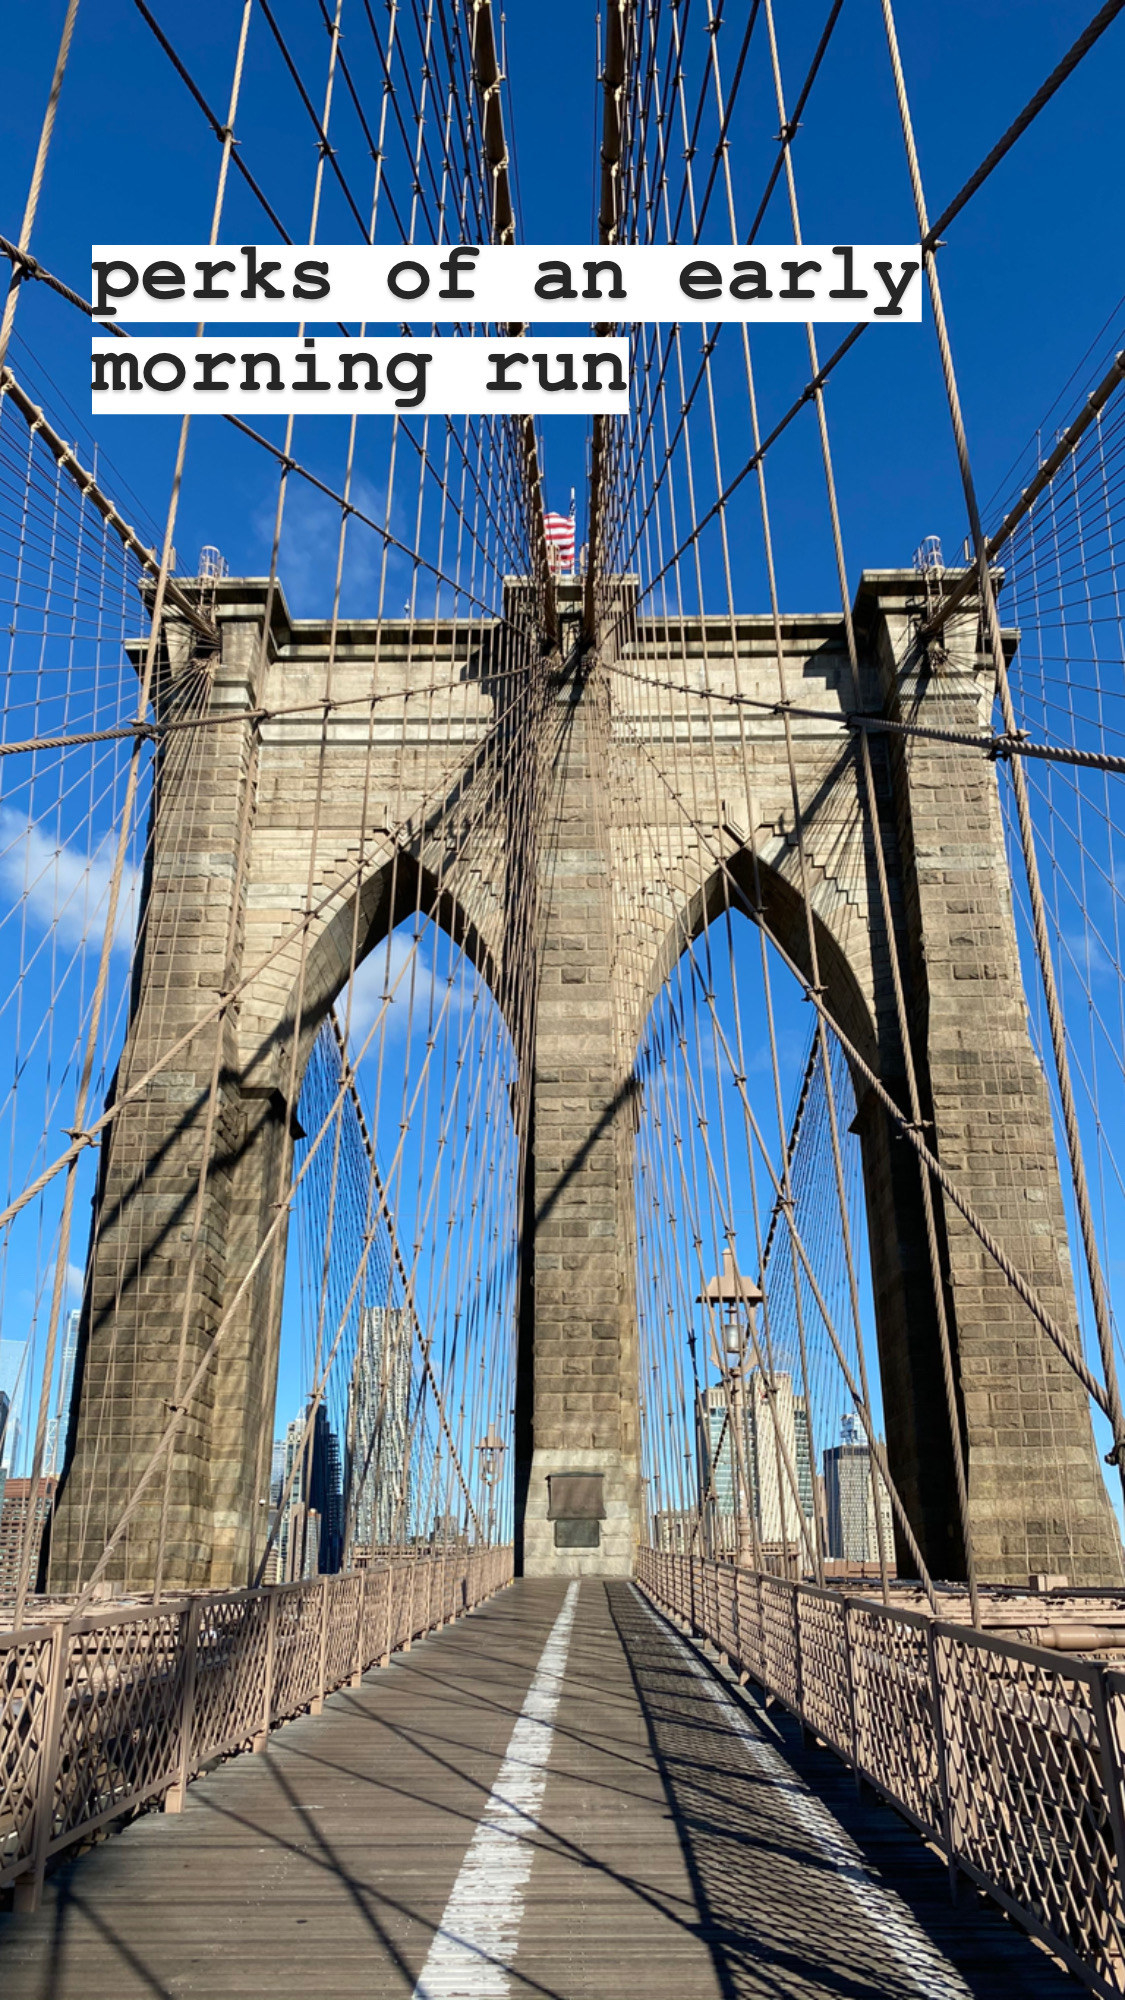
227 887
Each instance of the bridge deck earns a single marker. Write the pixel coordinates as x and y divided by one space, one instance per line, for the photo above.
685 1847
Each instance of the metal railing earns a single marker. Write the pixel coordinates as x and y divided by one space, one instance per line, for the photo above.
103 1713
1009 1759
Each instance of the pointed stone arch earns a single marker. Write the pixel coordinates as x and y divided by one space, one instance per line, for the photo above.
612 902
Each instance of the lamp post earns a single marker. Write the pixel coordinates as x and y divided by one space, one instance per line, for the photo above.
734 1296
491 1448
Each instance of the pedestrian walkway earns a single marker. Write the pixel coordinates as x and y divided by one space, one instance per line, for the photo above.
556 1798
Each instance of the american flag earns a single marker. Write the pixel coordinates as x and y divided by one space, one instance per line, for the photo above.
559 529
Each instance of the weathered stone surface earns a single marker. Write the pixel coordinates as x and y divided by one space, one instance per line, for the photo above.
620 884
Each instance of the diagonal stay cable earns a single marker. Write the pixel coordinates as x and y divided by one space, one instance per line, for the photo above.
1075 54
215 122
327 150
1003 744
1015 1277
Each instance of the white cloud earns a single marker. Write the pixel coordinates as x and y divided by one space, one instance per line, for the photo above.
417 988
64 886
1088 955
307 556
378 974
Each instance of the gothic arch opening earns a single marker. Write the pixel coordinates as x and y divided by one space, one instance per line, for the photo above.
399 1297
729 1071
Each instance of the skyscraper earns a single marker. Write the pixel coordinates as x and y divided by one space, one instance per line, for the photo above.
310 1538
774 1414
58 1424
715 1453
13 1384
772 1436
849 1500
377 1473
803 1453
290 1534
325 1495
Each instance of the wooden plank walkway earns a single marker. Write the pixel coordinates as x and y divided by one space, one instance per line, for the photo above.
686 1847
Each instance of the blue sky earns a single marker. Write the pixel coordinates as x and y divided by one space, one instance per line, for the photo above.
1032 272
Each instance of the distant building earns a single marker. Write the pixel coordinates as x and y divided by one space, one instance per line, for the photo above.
57 1425
326 1494
674 1528
778 1434
448 1532
715 1455
13 1516
849 1500
772 1436
310 1539
802 1452
378 1429
291 1532
13 1384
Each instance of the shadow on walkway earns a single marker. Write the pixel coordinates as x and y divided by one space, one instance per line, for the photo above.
784 1910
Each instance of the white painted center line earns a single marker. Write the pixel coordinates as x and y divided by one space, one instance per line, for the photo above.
927 1971
473 1947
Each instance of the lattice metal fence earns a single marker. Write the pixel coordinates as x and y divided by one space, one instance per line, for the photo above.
1011 1760
101 1714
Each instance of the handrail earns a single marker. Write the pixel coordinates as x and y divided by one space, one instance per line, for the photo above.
102 1713
950 1725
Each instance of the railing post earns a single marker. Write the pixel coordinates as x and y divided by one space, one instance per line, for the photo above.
27 1890
948 1828
317 1702
409 1639
859 1702
190 1622
808 1736
388 1613
798 1677
360 1629
262 1735
1112 1774
849 1676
